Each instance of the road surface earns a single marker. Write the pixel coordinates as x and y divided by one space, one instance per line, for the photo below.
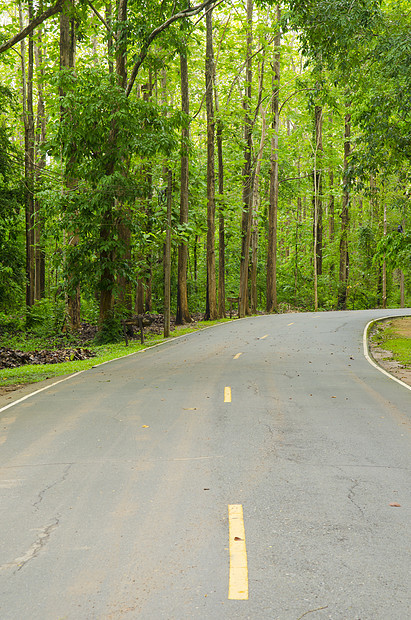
245 471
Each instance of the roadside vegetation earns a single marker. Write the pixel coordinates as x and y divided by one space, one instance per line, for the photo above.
46 342
394 337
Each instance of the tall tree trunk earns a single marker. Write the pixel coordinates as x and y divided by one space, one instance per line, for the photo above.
107 278
211 298
183 314
317 199
124 284
167 258
221 222
221 208
40 254
344 256
402 277
67 56
255 207
247 169
331 228
271 302
384 264
29 144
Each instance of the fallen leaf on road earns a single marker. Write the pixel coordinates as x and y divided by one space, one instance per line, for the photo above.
145 426
395 504
237 538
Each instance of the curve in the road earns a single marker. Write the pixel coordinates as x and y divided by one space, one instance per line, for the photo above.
367 353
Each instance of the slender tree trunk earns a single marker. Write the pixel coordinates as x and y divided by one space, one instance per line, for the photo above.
167 258
384 265
221 223
255 207
40 254
124 284
247 169
109 20
271 302
317 199
211 298
331 228
108 278
344 256
29 145
67 56
402 278
221 215
183 314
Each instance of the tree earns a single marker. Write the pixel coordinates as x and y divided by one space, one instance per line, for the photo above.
183 314
211 298
271 297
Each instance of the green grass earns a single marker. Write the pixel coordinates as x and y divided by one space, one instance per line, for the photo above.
386 336
32 373
401 349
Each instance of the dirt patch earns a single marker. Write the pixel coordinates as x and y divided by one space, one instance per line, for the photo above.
402 328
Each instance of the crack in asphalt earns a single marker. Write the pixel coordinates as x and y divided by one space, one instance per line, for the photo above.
35 548
50 486
351 495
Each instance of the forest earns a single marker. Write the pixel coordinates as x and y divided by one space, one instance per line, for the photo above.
163 157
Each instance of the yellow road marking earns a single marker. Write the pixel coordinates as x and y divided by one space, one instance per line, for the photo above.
238 581
237 356
227 395
262 337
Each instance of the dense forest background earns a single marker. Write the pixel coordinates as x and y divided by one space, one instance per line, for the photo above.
163 157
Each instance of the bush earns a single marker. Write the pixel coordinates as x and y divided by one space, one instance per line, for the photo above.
111 330
45 317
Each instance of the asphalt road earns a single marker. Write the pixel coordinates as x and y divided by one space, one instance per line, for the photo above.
116 485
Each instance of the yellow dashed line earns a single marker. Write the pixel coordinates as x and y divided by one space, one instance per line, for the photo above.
238 581
227 395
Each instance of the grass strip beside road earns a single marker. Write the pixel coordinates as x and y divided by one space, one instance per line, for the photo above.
33 373
394 336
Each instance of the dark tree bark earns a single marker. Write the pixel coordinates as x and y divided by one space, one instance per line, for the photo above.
183 314
29 155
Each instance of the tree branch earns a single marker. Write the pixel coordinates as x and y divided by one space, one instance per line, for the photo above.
31 26
101 18
145 47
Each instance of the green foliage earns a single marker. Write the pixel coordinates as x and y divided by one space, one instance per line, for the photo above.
395 248
111 329
45 317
